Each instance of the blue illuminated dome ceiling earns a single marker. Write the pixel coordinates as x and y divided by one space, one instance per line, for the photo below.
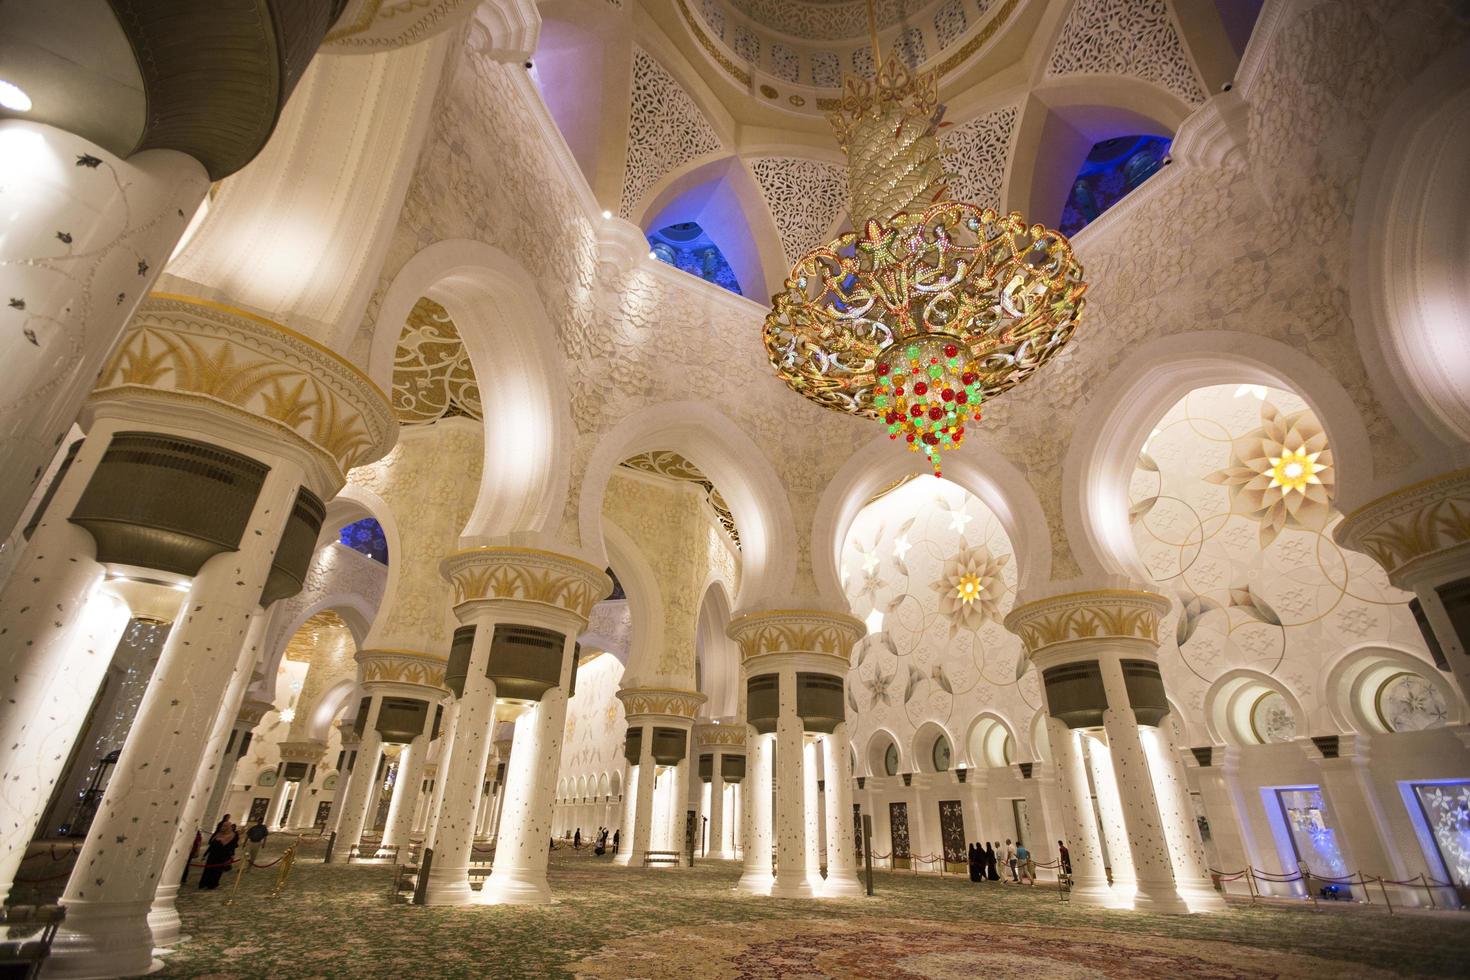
366 536
687 246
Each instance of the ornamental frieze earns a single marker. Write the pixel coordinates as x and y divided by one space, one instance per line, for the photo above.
1429 518
526 575
720 736
401 667
252 711
766 633
305 751
660 701
181 347
1103 614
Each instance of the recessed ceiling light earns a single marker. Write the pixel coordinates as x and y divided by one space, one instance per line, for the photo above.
13 97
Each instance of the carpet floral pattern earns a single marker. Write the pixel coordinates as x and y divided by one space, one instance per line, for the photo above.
610 922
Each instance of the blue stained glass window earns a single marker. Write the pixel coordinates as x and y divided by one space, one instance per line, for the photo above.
687 246
367 537
1112 170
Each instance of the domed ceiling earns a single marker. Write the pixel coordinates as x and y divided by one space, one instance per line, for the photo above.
827 20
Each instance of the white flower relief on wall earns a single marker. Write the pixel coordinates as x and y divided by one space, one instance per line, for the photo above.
1231 512
929 568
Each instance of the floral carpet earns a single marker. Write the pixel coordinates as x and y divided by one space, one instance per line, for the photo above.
611 922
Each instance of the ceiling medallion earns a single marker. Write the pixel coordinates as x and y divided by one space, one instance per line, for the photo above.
933 305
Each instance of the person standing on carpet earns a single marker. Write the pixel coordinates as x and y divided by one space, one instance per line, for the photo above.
1025 867
976 865
220 853
1066 858
577 840
990 861
1010 859
617 837
254 841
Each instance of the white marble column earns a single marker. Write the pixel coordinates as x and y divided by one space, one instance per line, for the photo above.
163 917
428 784
277 804
463 773
1152 864
109 894
451 722
1176 814
716 811
59 626
406 791
1110 815
790 818
351 745
679 805
86 234
755 802
811 795
842 880
1079 824
251 711
362 784
638 803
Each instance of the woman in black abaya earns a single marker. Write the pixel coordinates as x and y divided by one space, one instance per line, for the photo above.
218 855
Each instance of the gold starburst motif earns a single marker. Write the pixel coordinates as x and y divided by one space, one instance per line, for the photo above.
1294 469
968 589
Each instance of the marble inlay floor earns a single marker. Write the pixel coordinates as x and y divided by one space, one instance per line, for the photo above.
611 922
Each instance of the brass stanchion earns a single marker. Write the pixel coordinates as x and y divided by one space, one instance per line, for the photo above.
239 873
1250 882
1385 893
287 860
1430 889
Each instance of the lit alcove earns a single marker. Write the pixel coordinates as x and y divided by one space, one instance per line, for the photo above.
366 536
1113 169
685 245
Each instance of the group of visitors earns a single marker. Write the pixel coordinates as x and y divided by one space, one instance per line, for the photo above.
220 854
992 861
600 842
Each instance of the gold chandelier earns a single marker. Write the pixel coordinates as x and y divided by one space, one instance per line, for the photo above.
929 306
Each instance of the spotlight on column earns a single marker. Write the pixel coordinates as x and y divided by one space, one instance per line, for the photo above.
13 97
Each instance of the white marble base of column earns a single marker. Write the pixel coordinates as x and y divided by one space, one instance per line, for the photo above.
1159 896
755 882
1093 892
790 887
842 885
163 918
452 887
1200 896
516 886
114 941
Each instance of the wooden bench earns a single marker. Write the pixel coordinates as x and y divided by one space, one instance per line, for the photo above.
28 931
372 852
662 857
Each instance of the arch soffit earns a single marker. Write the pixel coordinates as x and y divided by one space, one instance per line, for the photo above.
355 611
922 747
985 717
878 743
1223 690
353 503
509 337
977 468
328 707
1113 426
733 462
1408 282
1340 672
645 602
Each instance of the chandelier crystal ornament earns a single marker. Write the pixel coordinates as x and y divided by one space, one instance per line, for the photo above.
934 305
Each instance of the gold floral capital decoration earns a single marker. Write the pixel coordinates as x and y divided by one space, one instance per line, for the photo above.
347 732
665 702
526 575
305 751
1402 529
252 711
764 634
725 738
1105 614
402 667
182 349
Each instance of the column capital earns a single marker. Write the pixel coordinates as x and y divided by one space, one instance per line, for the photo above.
347 733
1061 623
308 750
252 711
422 673
811 634
265 384
1409 531
657 705
726 739
561 584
